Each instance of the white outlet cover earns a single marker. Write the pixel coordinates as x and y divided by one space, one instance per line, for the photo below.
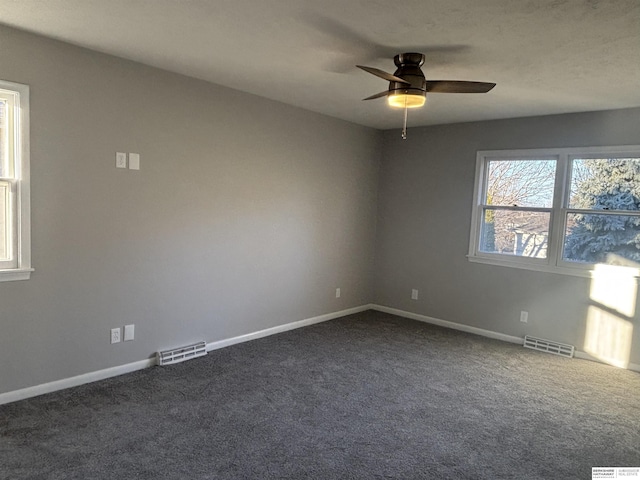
414 294
115 335
121 160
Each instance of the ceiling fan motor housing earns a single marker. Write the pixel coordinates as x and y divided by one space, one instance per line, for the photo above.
409 70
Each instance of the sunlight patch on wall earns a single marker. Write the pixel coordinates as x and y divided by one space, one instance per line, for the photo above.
608 337
615 287
609 329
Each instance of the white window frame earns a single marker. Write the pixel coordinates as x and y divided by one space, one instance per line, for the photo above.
554 262
19 223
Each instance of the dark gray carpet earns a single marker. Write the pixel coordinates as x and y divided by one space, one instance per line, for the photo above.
364 397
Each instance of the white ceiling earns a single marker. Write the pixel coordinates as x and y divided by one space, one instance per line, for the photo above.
546 56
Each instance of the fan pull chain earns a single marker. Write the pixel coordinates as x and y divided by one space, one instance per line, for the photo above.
404 126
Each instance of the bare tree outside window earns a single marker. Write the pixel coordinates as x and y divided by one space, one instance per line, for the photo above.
516 190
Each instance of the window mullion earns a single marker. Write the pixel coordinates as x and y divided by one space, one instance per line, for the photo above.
558 214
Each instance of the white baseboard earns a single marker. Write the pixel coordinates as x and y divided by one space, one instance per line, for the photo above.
49 387
89 377
585 356
447 324
286 327
480 331
64 383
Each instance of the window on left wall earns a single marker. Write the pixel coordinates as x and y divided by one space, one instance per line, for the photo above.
15 221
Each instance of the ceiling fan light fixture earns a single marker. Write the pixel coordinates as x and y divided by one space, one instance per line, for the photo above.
408 87
406 100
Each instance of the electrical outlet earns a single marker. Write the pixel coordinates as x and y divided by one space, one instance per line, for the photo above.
524 316
414 294
121 160
115 335
338 293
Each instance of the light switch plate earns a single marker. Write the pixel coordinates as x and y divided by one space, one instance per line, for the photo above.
134 161
129 332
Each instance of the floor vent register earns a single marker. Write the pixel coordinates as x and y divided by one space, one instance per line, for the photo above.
549 346
180 354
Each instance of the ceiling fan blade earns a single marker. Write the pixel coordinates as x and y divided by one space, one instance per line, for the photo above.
377 95
456 86
382 74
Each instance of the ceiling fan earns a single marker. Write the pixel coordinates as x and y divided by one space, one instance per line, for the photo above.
408 87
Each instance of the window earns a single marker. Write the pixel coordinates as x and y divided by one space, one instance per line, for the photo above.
15 239
559 210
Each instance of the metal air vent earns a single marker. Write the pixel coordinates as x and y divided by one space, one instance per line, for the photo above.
180 354
549 346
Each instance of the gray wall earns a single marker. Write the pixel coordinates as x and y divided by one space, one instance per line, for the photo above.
424 215
246 213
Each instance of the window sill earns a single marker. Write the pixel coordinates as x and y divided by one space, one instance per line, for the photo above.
11 275
581 271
